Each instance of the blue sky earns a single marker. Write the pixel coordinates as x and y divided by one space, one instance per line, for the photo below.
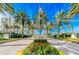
50 9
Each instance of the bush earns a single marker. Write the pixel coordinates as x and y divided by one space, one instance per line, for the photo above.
15 35
49 35
27 35
41 49
40 41
2 39
61 36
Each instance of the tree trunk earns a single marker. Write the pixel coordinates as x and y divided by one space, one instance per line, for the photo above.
47 32
10 28
22 31
32 32
40 32
58 32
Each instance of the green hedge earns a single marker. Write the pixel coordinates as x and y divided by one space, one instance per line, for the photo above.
40 41
62 36
15 35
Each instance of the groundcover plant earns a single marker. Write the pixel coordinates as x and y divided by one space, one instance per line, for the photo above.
41 49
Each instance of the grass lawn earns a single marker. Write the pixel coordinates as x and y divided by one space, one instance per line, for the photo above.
74 40
2 40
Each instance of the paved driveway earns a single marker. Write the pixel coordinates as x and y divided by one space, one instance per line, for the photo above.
11 48
68 48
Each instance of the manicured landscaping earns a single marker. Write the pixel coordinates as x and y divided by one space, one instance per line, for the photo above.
40 41
15 35
40 48
73 40
8 40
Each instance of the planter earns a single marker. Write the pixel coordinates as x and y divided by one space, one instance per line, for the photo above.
40 41
40 49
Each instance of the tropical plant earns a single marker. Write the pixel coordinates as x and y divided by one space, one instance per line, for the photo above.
21 18
41 49
74 9
61 20
41 19
31 26
9 8
16 28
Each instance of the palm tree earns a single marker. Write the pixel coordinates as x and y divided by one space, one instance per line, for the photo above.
41 19
9 8
74 9
47 28
22 19
51 26
17 27
61 20
29 24
2 11
32 27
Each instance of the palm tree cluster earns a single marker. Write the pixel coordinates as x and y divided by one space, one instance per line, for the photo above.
40 22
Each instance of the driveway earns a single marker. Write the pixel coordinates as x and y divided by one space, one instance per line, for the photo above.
67 47
11 48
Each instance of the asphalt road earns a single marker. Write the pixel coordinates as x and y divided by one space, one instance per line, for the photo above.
67 47
11 48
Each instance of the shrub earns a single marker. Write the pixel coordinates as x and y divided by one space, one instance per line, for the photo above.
49 35
61 36
15 35
27 35
40 41
41 49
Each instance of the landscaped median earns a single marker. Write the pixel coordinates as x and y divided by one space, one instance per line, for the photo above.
40 48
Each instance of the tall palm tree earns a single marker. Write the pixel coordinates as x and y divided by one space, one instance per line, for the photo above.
41 19
2 9
51 26
29 24
16 26
61 20
33 27
9 8
22 19
74 9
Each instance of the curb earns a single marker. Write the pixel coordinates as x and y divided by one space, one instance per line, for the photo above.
20 52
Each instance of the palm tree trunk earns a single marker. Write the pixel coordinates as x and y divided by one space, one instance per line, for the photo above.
32 32
58 31
40 32
47 31
22 31
10 27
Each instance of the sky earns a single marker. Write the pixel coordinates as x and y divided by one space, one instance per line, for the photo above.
50 9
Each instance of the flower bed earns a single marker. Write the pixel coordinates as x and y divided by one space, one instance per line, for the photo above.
40 49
